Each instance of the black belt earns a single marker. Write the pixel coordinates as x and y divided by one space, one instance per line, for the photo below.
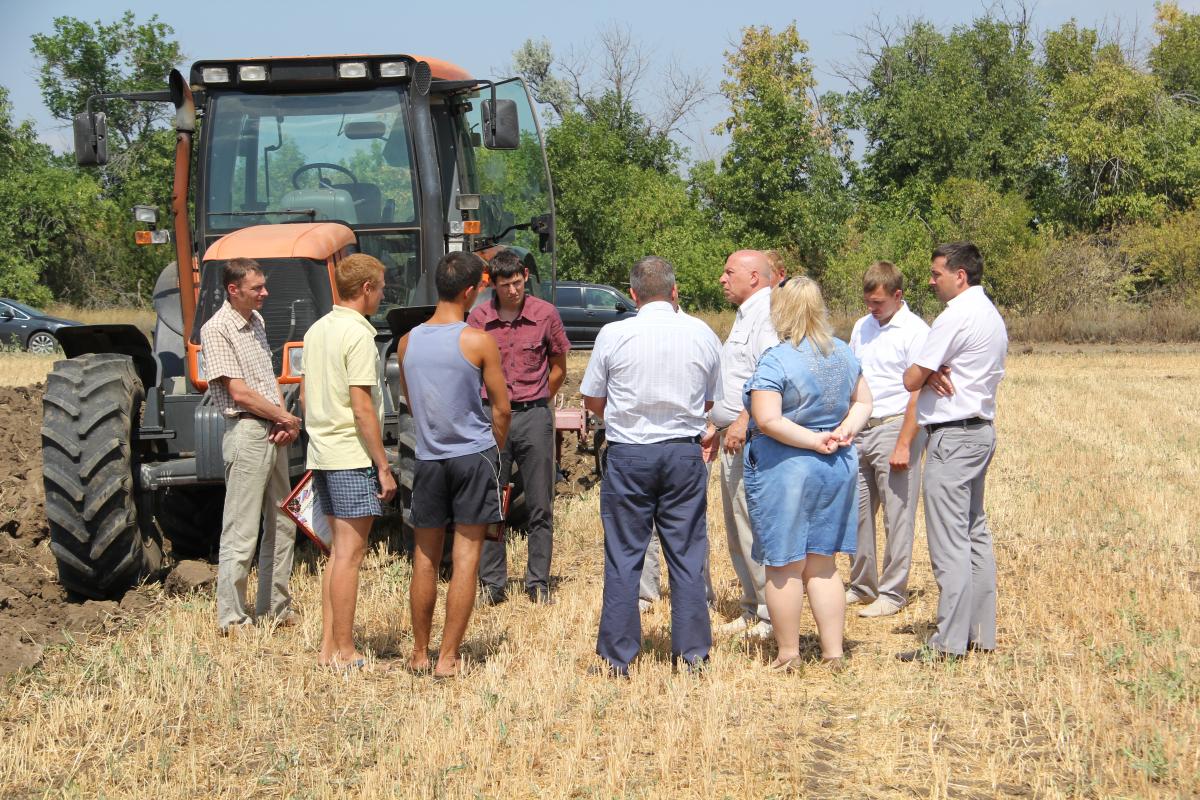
525 406
681 440
957 423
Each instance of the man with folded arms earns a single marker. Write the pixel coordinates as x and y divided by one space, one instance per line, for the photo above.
885 342
957 372
533 351
653 377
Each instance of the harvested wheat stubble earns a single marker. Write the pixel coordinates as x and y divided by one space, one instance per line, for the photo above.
1094 692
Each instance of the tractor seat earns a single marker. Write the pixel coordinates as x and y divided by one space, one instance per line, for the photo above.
368 200
328 203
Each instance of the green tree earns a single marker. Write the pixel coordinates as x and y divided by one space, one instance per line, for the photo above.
79 59
1175 58
781 182
53 221
933 106
1124 149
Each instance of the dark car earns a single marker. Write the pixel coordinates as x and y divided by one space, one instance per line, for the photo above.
31 329
585 308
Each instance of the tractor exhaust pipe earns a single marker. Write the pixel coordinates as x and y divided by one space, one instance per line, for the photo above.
185 127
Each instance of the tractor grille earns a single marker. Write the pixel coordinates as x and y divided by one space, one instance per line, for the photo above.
298 295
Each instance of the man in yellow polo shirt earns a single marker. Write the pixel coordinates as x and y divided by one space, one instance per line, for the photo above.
343 417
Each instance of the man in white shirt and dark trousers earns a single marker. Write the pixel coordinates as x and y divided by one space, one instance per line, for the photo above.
747 282
653 378
885 342
957 372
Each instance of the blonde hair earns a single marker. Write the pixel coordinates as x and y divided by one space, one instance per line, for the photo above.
885 274
798 313
353 271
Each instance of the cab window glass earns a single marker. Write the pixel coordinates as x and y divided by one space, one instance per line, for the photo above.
601 299
567 297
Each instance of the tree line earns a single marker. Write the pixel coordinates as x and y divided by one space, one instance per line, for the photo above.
1073 161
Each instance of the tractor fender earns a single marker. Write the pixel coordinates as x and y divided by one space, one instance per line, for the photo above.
128 340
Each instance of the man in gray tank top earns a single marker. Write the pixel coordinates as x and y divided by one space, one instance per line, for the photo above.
443 365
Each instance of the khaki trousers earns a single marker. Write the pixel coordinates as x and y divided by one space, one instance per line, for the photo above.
960 544
256 482
897 492
752 575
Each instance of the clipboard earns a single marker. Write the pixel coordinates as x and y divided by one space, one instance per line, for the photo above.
301 507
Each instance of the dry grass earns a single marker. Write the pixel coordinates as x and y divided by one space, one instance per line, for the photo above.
141 317
1095 691
18 368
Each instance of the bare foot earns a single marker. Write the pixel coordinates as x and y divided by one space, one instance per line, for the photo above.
447 668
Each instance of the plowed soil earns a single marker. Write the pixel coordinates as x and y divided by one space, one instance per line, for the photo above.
35 612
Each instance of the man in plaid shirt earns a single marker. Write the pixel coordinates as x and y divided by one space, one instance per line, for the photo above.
242 385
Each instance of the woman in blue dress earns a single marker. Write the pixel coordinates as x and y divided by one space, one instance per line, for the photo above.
807 400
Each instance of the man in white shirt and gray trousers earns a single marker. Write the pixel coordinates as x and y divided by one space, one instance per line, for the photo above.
746 281
957 372
885 342
652 378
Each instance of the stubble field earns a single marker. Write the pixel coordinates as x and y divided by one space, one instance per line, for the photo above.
1094 692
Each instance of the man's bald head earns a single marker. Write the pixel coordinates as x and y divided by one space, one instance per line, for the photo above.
746 271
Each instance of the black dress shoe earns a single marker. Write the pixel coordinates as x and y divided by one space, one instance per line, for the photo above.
974 648
493 595
541 597
925 655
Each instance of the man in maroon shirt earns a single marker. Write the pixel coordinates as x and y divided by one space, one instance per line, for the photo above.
533 354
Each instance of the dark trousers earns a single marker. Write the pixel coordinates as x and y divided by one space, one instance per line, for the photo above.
531 445
646 485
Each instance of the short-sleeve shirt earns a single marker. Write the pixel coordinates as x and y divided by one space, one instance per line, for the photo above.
816 387
526 345
235 347
656 370
339 352
969 337
885 351
752 335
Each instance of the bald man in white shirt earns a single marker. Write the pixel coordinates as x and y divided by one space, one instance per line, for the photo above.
885 342
957 373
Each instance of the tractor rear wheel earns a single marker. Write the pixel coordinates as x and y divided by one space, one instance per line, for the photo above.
90 415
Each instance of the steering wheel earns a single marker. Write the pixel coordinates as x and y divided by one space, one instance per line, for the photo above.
319 165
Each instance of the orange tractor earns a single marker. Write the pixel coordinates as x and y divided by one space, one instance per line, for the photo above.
298 163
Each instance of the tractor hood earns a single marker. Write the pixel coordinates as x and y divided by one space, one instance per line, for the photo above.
313 240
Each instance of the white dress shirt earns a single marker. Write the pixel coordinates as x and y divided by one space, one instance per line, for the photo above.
969 337
885 351
656 370
751 336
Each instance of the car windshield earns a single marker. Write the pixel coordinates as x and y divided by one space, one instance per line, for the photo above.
296 158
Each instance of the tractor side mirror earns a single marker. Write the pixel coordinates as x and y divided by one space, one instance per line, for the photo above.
501 128
91 139
543 226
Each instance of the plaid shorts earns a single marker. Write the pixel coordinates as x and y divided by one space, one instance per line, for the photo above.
348 493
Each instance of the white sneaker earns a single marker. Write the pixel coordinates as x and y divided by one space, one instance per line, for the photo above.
643 605
882 607
853 597
763 630
738 625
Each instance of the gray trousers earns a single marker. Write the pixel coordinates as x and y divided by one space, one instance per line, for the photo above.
960 544
751 574
256 482
897 492
531 445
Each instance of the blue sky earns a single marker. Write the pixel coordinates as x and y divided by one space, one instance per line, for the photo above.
482 36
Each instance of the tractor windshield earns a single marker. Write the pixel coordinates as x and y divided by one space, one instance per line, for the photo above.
305 157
